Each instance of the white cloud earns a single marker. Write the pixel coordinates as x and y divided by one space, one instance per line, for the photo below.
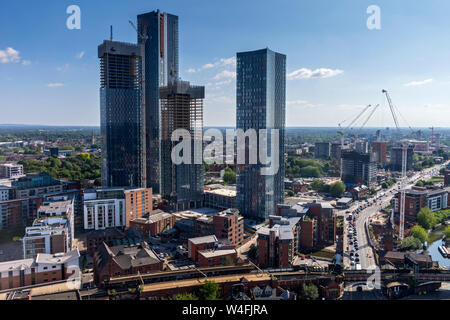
81 54
9 55
63 68
305 73
418 83
225 74
191 70
55 85
222 62
26 62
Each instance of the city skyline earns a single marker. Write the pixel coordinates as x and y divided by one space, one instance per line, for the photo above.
335 65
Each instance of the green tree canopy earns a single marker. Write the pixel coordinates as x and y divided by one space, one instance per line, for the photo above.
229 176
425 218
337 188
208 291
317 184
309 292
410 243
419 233
447 232
186 296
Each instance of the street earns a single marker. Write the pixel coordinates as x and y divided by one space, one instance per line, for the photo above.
382 200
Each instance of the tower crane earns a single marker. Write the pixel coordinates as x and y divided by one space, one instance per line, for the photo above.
341 131
403 177
143 38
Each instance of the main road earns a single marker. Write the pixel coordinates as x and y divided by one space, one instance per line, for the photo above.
381 200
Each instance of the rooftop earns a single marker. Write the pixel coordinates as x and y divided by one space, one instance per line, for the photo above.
216 253
55 207
205 239
223 192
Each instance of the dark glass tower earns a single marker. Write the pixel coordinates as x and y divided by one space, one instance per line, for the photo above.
261 104
182 108
161 67
121 115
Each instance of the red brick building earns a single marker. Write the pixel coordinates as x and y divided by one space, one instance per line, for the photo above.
278 244
210 258
155 224
226 225
120 260
45 268
417 198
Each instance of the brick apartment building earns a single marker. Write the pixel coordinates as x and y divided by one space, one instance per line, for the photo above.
228 225
115 207
121 260
155 224
317 223
45 268
207 251
417 198
278 243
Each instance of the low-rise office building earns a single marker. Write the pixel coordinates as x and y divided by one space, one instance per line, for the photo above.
155 224
121 260
45 268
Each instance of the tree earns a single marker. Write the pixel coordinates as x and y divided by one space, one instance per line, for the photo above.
317 184
229 176
186 296
310 171
208 291
310 292
419 233
337 188
289 193
447 232
425 218
410 243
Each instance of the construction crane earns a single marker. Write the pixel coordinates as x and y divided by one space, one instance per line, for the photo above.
367 119
341 132
143 38
403 176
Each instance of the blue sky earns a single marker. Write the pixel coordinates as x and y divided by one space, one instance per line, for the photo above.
335 64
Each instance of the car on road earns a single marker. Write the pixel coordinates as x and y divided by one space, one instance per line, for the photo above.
357 259
352 263
357 254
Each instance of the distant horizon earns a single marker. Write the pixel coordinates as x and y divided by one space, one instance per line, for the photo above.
206 126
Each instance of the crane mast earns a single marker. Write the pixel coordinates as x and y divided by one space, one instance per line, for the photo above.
404 164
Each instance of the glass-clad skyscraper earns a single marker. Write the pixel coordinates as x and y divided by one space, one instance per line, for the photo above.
121 121
260 104
159 31
182 108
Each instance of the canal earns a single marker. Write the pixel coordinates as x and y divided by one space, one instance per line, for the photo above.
433 247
